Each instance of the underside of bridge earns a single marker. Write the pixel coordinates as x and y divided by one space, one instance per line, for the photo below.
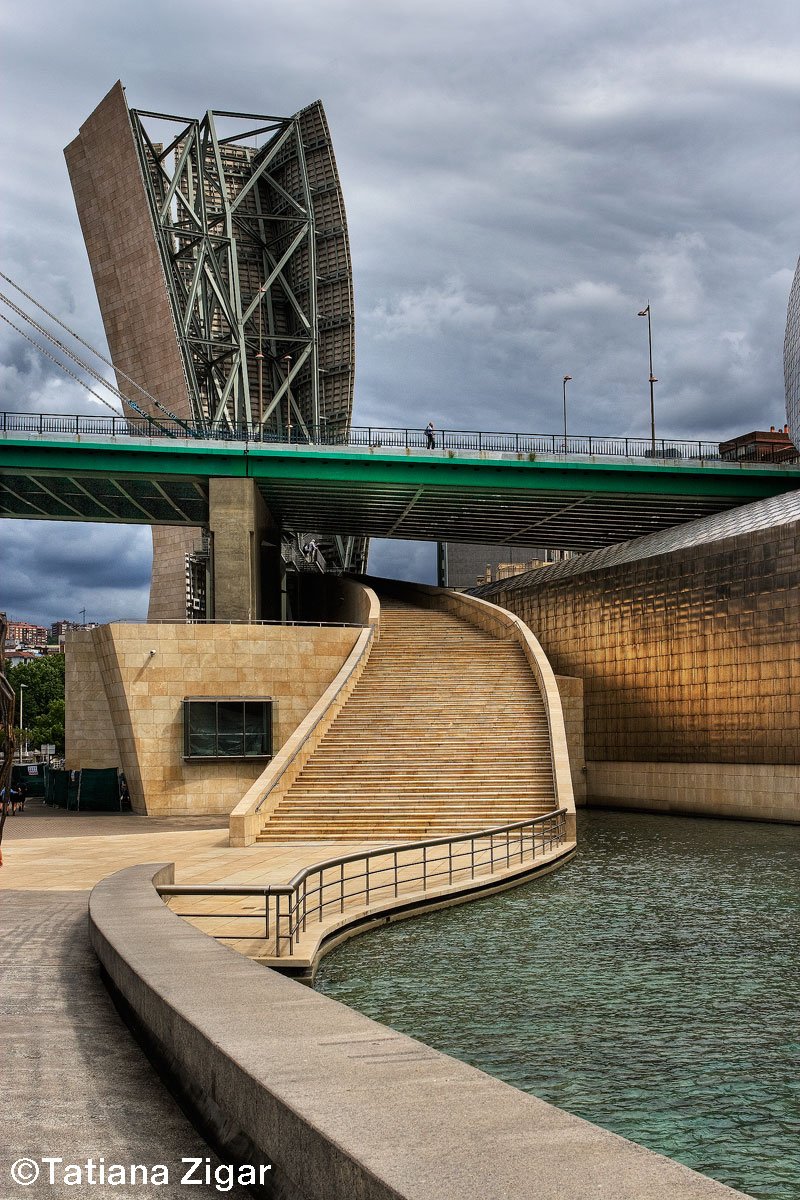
233 506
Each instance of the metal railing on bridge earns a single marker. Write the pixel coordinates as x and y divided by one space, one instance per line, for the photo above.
384 437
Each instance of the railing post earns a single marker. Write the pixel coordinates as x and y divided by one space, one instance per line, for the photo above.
366 879
278 925
472 856
305 892
266 915
395 872
341 888
449 862
424 868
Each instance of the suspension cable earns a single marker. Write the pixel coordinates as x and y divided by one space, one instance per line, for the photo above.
69 353
53 359
92 349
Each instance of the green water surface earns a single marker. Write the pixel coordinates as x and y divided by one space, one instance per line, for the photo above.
650 986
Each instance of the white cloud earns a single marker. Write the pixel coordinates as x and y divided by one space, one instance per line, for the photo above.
430 312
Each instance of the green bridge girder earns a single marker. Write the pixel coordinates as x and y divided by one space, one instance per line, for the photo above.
570 502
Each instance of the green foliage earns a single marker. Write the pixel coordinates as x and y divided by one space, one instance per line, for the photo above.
43 705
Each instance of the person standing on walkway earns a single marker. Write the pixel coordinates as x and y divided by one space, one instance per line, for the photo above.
430 438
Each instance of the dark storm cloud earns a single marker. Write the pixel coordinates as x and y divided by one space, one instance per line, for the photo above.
51 570
520 180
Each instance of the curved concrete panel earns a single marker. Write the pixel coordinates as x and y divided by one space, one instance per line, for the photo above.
344 1108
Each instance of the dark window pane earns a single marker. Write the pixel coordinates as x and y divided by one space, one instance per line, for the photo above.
203 744
255 728
227 728
230 734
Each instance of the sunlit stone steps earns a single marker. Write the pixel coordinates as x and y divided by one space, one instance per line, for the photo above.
444 733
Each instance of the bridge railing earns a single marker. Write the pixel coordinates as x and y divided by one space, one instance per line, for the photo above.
385 437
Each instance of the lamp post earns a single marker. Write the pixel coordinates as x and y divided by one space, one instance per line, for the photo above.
567 379
287 359
22 687
646 313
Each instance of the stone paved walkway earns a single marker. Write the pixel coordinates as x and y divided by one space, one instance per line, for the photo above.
73 1081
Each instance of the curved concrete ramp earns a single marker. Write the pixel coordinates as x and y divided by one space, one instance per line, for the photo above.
447 730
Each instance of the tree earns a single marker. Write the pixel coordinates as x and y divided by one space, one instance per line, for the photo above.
43 703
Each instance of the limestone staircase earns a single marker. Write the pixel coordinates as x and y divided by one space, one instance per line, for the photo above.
445 732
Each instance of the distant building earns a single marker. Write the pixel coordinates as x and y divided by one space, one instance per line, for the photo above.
760 446
467 564
15 657
23 633
59 628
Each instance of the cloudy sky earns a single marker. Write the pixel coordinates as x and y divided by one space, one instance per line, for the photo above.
520 180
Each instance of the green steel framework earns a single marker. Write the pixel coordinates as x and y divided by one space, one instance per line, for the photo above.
578 504
253 242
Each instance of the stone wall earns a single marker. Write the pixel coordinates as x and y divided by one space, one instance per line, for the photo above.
132 292
571 691
126 683
749 791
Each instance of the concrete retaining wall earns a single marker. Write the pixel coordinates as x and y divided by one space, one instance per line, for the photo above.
749 791
344 1108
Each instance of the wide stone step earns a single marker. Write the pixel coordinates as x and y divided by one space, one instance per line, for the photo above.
388 798
445 732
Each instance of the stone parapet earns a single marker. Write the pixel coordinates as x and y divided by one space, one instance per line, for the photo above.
340 1106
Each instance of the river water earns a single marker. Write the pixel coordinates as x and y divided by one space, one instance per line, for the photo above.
651 986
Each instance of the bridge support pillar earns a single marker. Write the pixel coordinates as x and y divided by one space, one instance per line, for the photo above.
239 522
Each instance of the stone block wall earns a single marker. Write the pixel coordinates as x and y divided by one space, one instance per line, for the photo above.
571 691
121 695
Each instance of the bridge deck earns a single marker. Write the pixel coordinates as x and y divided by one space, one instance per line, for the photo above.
572 501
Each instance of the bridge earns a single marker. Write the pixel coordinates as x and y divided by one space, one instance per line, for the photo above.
578 493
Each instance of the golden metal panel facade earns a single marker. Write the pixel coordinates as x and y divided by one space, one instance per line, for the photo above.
688 656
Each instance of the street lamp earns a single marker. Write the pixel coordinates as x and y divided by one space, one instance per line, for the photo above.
646 313
567 379
22 687
287 358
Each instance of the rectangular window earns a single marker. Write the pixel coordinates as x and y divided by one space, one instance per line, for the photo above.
227 727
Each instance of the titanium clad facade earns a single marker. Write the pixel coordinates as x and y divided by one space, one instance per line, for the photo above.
687 641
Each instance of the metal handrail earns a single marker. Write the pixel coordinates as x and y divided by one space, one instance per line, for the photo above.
308 894
385 437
